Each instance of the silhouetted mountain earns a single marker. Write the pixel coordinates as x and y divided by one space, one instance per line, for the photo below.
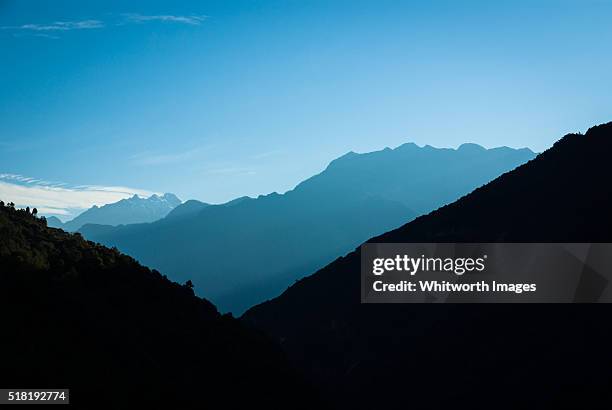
467 356
81 316
187 208
126 211
54 222
250 250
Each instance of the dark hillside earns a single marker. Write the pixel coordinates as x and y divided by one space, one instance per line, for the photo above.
81 316
491 356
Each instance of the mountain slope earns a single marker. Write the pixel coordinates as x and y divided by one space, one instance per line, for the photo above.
252 250
188 208
54 222
126 211
493 356
80 316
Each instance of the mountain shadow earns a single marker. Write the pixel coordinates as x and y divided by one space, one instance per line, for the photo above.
462 355
126 211
250 250
81 316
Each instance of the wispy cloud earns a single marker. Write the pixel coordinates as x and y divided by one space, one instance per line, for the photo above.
58 26
35 34
51 30
43 35
53 198
194 20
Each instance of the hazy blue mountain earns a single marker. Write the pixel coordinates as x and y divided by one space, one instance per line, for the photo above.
453 356
187 208
247 251
126 211
54 222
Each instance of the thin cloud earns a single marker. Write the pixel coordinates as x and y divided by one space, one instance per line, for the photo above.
58 26
56 198
34 34
50 30
47 211
194 20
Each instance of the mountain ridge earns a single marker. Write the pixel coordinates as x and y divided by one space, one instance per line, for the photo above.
552 354
355 197
125 211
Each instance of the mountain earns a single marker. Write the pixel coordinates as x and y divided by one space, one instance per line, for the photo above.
81 316
126 211
466 355
188 208
54 222
251 249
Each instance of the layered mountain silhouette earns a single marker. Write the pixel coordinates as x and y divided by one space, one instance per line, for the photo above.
126 211
54 222
466 356
249 250
81 316
187 209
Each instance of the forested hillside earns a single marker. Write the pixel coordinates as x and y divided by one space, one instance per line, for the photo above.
81 316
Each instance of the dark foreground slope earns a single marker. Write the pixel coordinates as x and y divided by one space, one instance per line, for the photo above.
450 356
81 316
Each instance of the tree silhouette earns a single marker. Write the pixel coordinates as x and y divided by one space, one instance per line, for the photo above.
34 211
189 284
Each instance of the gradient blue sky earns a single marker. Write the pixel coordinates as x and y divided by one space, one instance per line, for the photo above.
217 99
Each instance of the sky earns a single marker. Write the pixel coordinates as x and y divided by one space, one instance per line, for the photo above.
212 100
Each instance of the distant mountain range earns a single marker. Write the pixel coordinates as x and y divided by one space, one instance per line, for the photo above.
83 316
126 211
88 318
248 250
470 355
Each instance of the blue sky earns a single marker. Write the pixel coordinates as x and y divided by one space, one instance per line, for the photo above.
217 99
